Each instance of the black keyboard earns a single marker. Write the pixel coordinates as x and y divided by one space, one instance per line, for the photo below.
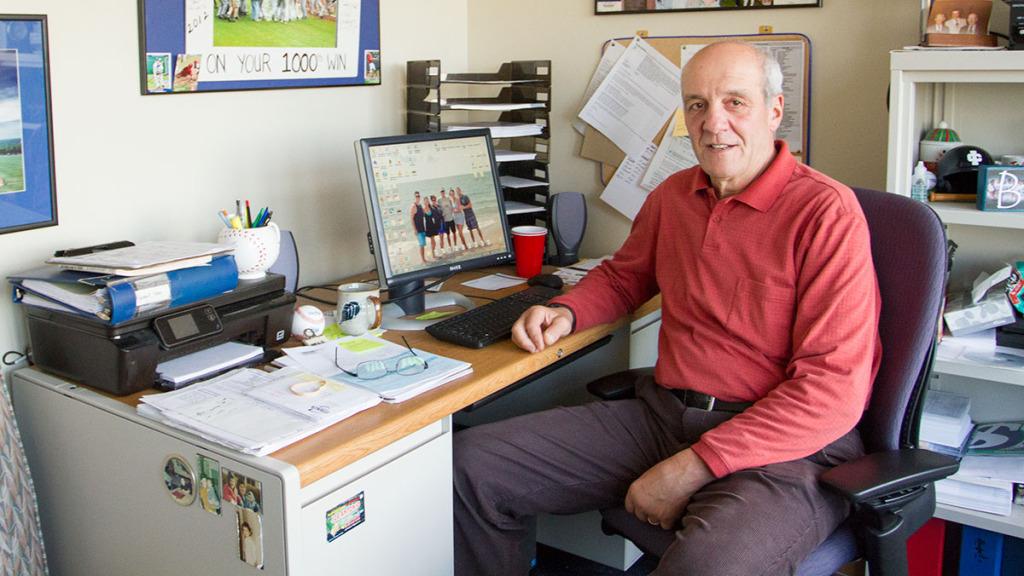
490 322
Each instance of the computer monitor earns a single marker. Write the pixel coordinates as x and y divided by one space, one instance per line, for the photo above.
412 238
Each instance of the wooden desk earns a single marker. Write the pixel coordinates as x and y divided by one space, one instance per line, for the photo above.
494 368
97 467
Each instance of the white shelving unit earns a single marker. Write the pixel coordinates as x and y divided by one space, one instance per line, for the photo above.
969 89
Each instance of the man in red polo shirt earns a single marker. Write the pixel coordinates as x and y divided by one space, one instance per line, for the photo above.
768 348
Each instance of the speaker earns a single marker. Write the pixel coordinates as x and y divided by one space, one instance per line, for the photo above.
567 221
287 263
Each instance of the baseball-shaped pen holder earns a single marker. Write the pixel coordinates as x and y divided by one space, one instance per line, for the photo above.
256 249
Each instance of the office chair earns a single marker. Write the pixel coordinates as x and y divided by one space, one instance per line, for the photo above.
287 263
21 541
891 488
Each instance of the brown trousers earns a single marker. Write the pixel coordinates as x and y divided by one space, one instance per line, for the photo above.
762 520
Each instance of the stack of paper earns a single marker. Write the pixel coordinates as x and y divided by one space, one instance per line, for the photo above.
945 422
258 412
501 129
993 464
145 258
329 359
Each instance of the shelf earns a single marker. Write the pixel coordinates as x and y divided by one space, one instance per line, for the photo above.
969 215
1012 525
1003 375
515 207
977 62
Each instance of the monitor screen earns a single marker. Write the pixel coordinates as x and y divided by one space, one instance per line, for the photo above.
434 204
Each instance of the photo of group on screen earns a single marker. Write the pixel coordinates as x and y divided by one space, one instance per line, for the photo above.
445 220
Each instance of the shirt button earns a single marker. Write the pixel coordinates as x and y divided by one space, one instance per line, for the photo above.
716 219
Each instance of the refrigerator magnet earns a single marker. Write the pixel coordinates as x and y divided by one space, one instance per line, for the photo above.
179 479
345 516
209 484
250 537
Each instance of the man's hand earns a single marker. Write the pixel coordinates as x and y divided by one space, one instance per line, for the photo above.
540 327
660 495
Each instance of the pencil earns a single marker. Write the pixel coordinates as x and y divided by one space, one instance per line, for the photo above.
248 215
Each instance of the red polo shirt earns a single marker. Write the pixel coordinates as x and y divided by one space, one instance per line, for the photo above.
768 296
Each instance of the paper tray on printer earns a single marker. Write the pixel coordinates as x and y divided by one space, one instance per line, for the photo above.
122 358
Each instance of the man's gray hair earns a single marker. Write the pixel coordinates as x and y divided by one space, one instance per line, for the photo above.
772 73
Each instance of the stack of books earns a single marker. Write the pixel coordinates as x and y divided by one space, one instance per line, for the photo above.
945 423
990 472
117 285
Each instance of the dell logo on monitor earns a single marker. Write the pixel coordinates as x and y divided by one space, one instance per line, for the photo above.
455 268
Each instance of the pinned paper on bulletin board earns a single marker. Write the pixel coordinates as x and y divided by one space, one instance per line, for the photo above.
205 46
609 146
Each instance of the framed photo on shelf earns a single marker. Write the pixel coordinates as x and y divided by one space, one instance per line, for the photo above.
218 45
28 196
959 23
640 6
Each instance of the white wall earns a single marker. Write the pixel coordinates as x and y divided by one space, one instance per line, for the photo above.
850 42
159 167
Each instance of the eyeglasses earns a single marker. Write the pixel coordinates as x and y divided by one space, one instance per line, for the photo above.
404 365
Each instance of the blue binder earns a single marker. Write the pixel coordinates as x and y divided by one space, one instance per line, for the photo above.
981 552
186 285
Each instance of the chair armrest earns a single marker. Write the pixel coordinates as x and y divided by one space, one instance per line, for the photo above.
618 386
882 479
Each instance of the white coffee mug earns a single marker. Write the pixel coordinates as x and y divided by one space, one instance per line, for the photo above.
256 249
358 308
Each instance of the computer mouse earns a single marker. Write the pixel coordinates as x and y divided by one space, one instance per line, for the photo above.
549 280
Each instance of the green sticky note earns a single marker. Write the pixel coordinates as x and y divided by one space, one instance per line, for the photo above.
432 315
333 332
360 344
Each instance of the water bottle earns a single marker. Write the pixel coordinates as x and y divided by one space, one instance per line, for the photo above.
919 183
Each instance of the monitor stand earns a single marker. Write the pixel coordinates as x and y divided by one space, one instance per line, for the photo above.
394 310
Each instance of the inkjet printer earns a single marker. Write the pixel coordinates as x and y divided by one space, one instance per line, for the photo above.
122 358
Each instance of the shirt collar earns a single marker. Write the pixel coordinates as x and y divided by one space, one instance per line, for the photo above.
765 189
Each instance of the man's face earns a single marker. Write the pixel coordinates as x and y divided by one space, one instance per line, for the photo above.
731 125
956 14
416 197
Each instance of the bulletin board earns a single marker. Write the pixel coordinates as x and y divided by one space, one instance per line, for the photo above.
218 45
798 114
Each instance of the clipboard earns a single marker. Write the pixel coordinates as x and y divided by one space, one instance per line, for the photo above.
597 147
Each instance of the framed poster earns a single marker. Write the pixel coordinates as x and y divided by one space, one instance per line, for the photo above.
639 6
28 196
217 45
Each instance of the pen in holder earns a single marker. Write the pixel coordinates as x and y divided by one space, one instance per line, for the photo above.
256 249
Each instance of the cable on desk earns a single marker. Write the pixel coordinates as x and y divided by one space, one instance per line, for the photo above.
301 292
6 358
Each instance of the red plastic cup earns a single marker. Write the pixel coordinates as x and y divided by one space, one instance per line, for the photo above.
528 242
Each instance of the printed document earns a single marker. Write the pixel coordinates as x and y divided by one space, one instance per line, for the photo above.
636 99
674 154
623 192
611 55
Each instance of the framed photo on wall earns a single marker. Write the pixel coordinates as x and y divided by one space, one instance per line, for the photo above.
639 6
217 45
28 197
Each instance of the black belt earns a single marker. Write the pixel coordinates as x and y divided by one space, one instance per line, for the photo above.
708 402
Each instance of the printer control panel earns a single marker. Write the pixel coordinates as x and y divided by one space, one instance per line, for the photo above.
187 325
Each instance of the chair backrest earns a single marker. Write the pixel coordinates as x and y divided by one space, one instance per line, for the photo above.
908 246
287 263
